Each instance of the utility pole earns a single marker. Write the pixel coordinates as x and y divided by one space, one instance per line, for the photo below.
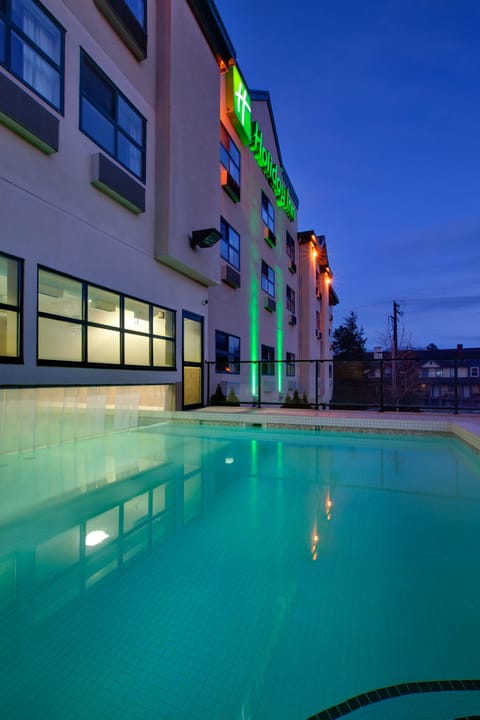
394 319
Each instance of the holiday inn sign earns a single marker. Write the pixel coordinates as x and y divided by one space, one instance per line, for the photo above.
239 110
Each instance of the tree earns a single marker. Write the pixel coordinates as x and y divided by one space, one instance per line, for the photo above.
349 339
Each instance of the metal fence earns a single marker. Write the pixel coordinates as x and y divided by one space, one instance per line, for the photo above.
408 383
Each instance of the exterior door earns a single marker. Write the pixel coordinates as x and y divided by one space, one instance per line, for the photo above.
192 361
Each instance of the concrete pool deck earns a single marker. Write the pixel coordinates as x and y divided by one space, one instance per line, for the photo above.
465 426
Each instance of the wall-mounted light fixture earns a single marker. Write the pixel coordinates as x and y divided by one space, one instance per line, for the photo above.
205 238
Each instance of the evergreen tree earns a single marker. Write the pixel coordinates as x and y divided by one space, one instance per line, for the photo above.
349 339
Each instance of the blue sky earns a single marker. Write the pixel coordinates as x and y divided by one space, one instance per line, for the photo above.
377 107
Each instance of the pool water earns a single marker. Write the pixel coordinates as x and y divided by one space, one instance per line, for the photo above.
210 573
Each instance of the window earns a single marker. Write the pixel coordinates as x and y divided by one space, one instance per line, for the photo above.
138 11
475 372
86 324
290 247
227 352
290 300
268 213
110 120
229 155
438 372
32 48
11 270
268 360
230 244
290 364
268 279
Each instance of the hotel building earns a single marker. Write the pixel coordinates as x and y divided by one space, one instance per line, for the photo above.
131 252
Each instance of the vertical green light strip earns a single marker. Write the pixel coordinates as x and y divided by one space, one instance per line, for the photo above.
280 331
253 312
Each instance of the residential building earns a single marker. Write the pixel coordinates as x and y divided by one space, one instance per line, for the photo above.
317 299
434 378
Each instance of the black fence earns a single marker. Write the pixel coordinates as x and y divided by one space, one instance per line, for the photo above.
409 383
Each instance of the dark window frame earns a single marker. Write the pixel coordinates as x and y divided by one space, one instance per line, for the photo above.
143 23
11 28
17 308
290 364
268 213
268 279
290 300
111 118
227 360
227 250
130 26
290 247
268 360
230 163
123 331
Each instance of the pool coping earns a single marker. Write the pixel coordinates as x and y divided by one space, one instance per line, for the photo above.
465 427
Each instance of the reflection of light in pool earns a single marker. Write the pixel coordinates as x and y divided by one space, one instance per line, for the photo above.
95 537
228 461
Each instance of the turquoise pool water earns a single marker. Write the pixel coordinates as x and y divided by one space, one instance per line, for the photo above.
205 573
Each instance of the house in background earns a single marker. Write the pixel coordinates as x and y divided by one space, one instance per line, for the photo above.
435 378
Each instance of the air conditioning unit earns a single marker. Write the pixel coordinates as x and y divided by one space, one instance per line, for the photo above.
292 267
269 237
230 276
229 184
318 334
270 304
292 320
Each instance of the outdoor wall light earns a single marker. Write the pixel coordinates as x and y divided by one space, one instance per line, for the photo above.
205 238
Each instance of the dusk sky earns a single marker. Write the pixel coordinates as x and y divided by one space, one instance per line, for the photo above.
377 108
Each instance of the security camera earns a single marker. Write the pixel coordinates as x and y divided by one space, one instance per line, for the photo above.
204 302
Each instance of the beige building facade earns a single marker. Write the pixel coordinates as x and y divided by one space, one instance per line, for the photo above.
131 253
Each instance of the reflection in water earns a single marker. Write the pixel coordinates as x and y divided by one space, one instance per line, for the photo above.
226 563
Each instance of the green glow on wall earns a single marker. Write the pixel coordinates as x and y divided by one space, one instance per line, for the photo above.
253 313
280 331
270 170
239 105
239 110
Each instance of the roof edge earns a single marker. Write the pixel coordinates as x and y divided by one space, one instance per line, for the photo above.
214 31
264 96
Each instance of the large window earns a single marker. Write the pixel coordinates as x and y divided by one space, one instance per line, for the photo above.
268 279
290 300
32 48
11 270
268 360
110 120
227 352
230 244
87 324
229 155
268 213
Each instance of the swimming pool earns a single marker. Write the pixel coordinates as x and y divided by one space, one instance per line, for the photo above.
205 572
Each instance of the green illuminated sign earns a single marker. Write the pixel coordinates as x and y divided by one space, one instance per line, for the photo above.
239 110
239 107
271 172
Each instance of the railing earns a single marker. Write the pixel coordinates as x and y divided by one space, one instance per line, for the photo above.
408 383
283 383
